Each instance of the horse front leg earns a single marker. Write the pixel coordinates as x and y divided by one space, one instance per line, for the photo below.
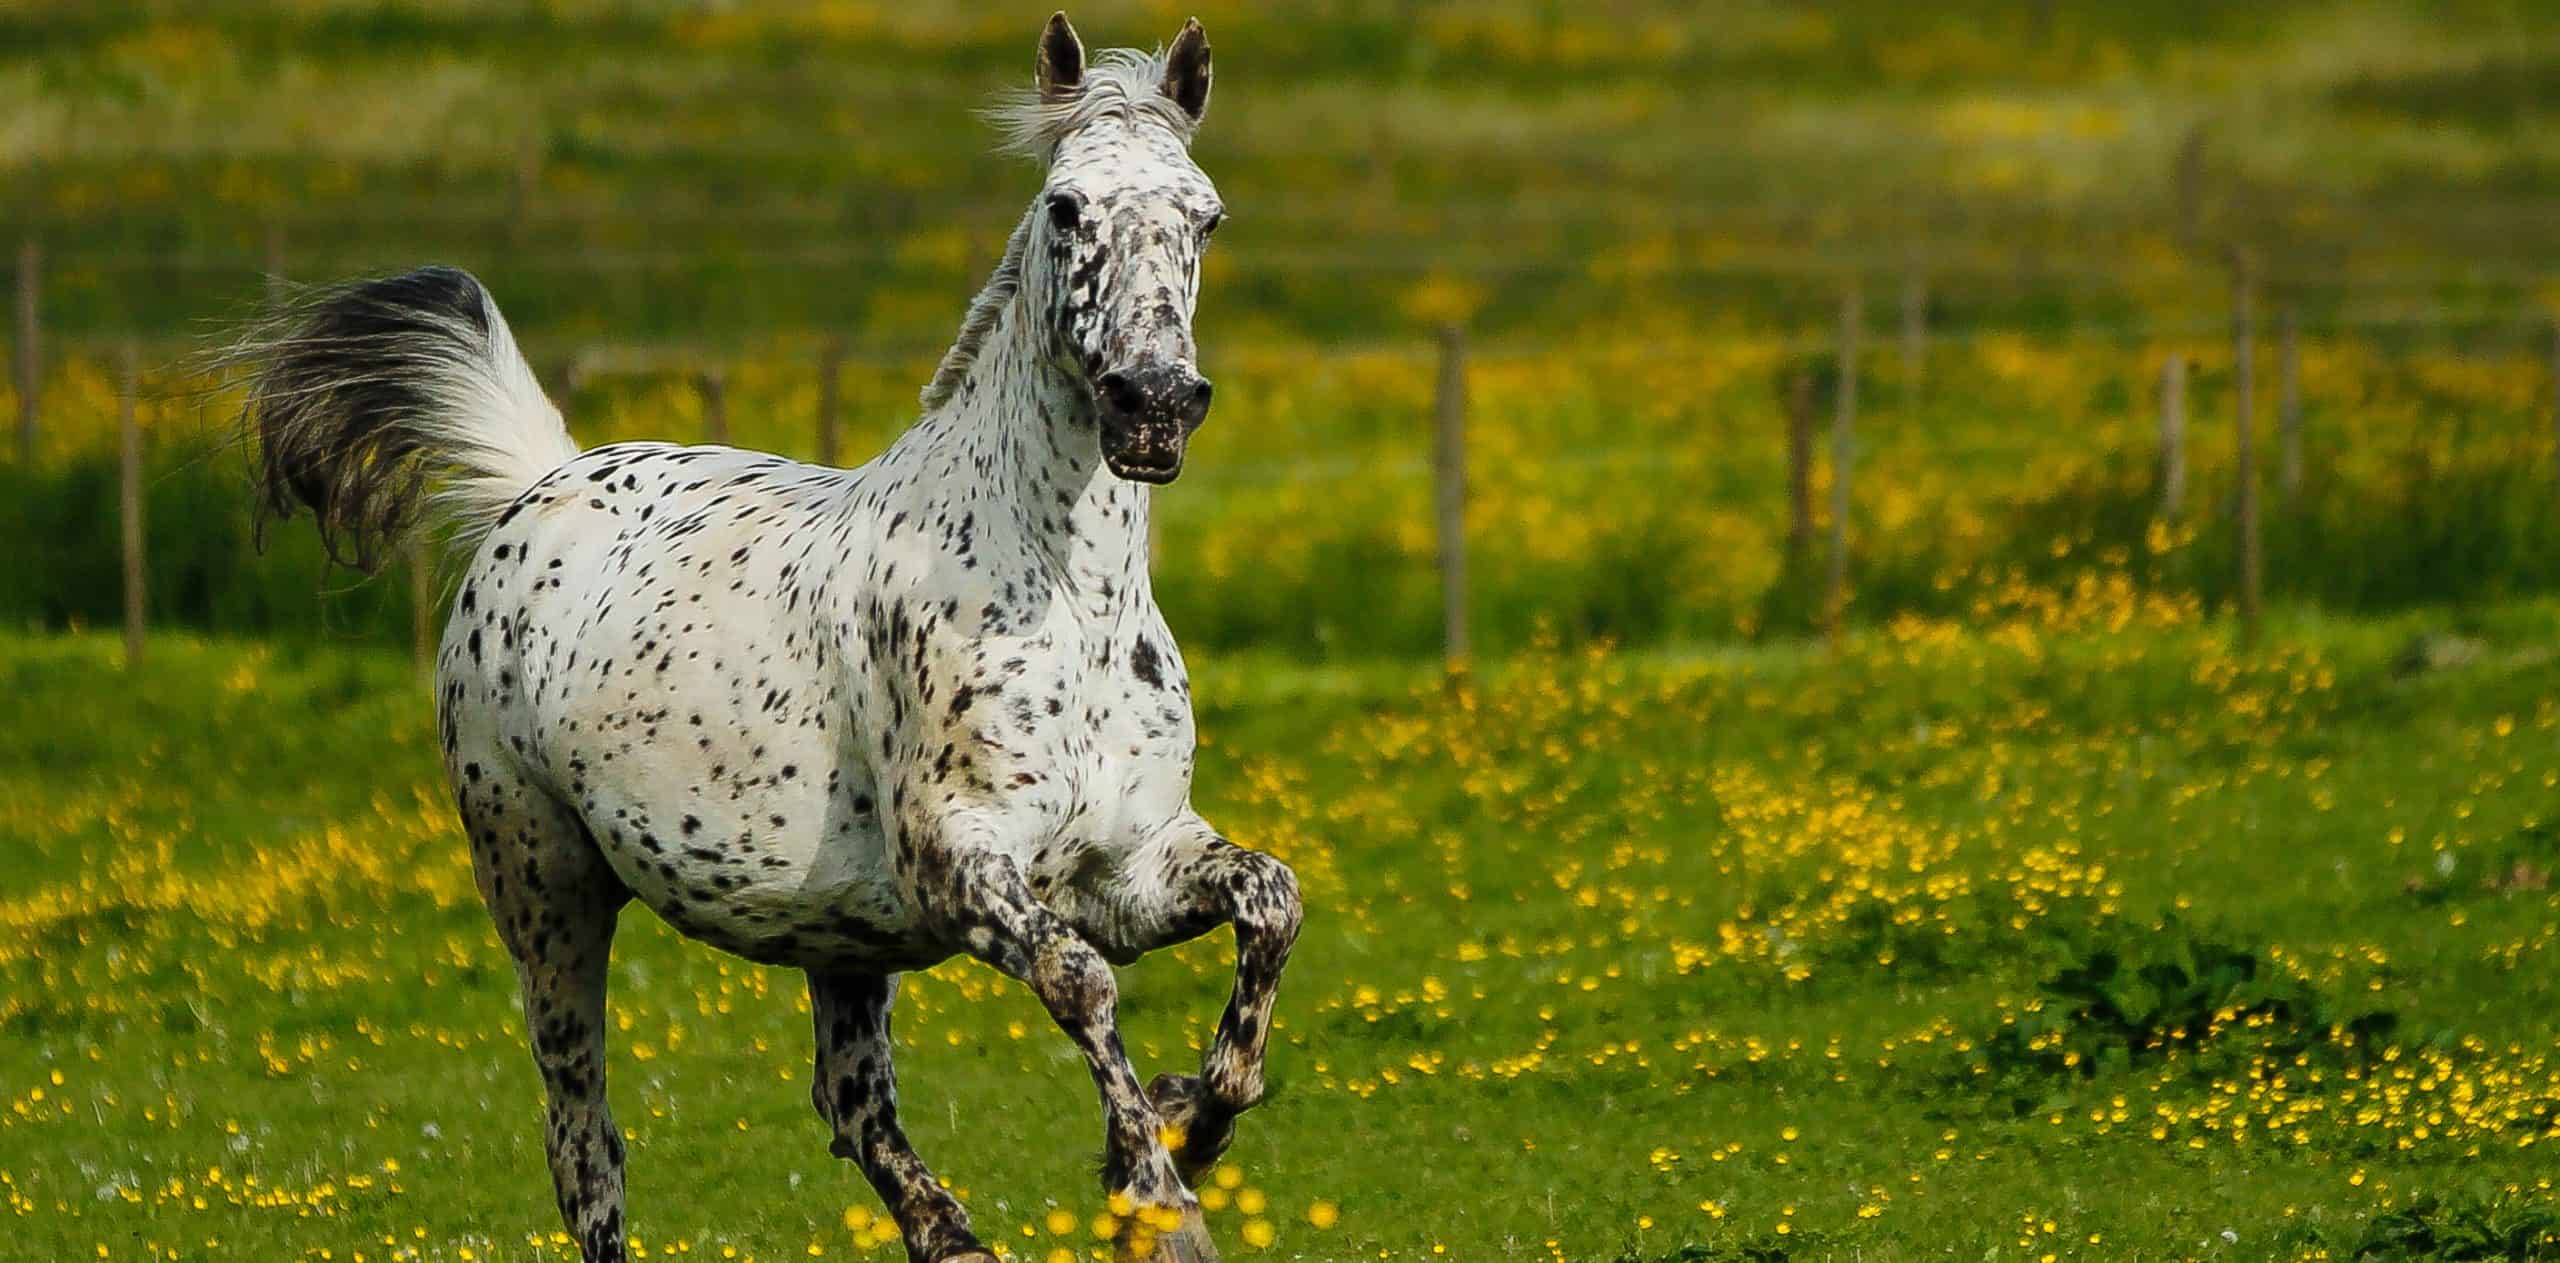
983 898
1191 881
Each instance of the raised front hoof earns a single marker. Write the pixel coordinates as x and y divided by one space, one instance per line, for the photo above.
1187 1243
967 1250
1204 1128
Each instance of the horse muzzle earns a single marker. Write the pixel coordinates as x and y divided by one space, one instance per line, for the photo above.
1148 414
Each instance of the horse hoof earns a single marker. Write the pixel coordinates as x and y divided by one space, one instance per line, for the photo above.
1182 1101
1189 1243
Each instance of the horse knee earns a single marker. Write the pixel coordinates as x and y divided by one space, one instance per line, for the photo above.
1008 927
1268 907
1073 980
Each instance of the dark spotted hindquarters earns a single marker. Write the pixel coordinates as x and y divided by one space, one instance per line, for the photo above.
365 399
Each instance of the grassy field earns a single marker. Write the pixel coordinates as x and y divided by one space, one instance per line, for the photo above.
2069 931
2038 921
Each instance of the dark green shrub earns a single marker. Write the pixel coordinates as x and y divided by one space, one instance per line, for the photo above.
2145 995
2475 1224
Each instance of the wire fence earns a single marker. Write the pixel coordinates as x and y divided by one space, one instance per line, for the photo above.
1454 355
2007 272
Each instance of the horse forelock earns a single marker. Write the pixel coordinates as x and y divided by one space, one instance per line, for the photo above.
1122 84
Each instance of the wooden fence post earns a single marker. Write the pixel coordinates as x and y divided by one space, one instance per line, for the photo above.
2288 410
129 500
2243 355
30 364
1915 332
2173 436
1450 464
1844 423
715 406
1799 404
830 398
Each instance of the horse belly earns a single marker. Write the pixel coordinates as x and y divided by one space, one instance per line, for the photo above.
736 819
744 873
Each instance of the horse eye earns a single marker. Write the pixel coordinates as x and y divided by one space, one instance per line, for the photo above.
1216 218
1064 210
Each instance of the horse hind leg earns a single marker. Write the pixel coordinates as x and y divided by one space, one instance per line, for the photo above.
555 903
856 1092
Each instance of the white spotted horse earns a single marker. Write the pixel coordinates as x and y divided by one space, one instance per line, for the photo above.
850 721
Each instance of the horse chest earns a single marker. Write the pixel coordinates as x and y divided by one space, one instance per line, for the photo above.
1079 730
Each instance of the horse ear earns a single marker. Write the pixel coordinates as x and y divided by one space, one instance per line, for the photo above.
1061 71
1186 70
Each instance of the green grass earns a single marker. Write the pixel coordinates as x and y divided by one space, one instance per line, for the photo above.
1594 939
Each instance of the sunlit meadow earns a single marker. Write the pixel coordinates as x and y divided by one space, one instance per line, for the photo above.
2040 917
2066 930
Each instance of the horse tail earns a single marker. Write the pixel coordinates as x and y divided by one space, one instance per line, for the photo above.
376 404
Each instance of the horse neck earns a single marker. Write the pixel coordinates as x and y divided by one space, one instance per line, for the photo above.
1027 428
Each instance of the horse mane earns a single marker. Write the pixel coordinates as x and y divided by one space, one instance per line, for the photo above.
1122 84
984 311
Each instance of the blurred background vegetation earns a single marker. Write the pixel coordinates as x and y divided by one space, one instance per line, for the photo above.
1644 214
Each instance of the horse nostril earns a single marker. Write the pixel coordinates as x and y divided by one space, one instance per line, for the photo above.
1121 393
1195 409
